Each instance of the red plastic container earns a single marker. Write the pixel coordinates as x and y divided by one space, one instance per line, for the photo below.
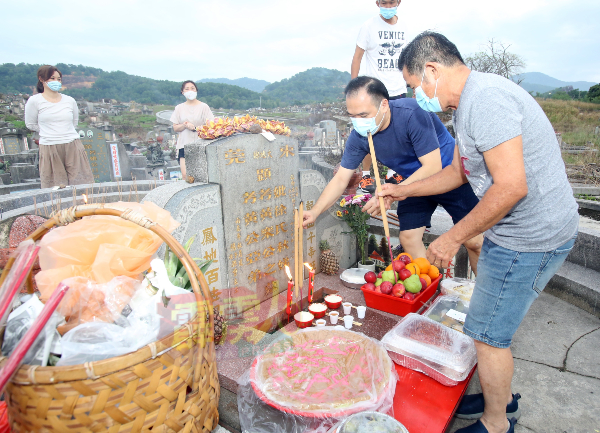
399 306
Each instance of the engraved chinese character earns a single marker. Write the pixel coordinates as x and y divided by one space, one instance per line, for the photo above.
286 151
250 197
266 213
239 245
270 269
212 255
263 174
233 247
268 252
251 238
313 264
268 232
238 221
311 236
282 246
283 263
251 217
265 194
234 272
280 228
280 210
311 252
254 275
310 204
249 258
279 191
208 236
236 155
212 275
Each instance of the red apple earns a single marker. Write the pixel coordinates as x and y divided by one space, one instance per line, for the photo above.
379 274
386 287
404 274
409 296
398 290
405 259
368 286
370 277
423 283
378 289
398 265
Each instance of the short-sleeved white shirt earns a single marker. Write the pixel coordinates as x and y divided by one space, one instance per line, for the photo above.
196 114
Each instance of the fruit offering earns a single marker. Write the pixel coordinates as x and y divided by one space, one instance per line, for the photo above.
224 127
404 278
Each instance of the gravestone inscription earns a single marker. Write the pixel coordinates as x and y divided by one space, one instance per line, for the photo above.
94 142
12 144
259 190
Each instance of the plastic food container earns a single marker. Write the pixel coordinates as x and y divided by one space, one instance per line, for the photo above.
371 422
449 311
399 306
424 345
458 287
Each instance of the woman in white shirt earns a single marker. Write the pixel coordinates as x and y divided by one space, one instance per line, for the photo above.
186 118
63 160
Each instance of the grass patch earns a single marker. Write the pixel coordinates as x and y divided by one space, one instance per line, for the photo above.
575 120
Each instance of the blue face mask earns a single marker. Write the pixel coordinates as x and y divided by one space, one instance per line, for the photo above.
425 102
365 125
388 13
55 85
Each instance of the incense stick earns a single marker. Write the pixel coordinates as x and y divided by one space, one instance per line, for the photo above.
386 226
301 250
296 251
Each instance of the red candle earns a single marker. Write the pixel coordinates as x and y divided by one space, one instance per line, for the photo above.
311 282
25 344
290 291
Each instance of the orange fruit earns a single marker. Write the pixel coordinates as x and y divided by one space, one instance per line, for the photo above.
423 264
434 272
389 268
427 278
413 268
404 254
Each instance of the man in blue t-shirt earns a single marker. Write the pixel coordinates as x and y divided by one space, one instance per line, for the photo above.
413 143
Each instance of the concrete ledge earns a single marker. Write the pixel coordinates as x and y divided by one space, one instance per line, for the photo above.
586 251
588 204
577 285
15 187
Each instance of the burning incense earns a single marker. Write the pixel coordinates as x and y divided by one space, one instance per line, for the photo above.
300 281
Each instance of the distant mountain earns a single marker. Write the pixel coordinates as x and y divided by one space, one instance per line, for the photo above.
541 83
313 85
246 83
94 84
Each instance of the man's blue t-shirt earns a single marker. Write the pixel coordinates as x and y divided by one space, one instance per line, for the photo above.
412 133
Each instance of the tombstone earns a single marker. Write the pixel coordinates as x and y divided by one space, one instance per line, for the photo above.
259 189
328 226
12 140
94 142
330 128
198 208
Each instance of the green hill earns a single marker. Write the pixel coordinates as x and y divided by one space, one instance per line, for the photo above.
313 85
246 83
94 84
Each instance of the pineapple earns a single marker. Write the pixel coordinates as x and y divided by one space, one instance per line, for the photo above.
328 260
220 325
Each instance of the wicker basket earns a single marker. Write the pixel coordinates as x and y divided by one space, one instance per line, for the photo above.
167 386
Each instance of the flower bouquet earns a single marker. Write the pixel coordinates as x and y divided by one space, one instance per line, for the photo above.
357 219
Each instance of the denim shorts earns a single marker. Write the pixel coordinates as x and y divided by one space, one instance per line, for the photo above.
507 284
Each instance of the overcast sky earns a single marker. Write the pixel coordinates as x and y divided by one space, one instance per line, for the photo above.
275 39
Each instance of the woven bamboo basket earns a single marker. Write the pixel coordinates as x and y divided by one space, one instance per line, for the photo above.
167 386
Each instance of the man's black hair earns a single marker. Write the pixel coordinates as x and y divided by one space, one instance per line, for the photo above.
374 87
428 47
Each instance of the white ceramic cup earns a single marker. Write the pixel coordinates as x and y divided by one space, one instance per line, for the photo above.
348 320
333 317
361 311
320 323
339 327
347 307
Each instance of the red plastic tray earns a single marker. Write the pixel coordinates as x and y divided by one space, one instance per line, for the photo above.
399 306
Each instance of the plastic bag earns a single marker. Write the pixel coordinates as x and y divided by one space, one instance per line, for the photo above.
87 301
19 322
461 288
100 247
314 378
424 345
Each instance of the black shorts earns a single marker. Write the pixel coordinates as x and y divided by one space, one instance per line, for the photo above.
180 154
415 212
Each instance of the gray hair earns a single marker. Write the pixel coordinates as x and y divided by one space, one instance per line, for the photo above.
428 47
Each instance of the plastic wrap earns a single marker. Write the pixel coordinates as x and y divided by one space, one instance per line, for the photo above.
450 311
424 345
313 379
100 247
87 301
458 287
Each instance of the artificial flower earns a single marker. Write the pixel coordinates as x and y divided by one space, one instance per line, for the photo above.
343 202
339 213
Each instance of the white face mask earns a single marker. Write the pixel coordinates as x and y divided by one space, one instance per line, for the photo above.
190 95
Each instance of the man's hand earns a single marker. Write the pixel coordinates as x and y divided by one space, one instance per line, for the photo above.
391 193
442 251
309 218
372 207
